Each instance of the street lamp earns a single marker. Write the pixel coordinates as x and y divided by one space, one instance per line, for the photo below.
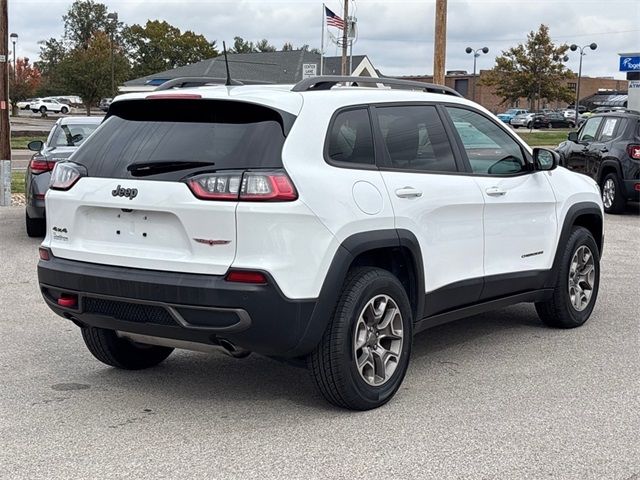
14 39
573 48
476 54
113 16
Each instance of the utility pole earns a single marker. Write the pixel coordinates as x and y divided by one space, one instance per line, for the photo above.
440 44
345 33
5 129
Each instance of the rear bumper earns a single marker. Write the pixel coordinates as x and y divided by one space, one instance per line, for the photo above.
190 307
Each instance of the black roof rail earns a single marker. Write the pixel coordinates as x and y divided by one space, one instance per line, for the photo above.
185 82
327 82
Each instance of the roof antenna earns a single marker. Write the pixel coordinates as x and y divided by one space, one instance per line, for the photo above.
226 64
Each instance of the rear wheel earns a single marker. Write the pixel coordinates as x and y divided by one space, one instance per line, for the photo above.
612 198
577 283
36 227
364 353
120 352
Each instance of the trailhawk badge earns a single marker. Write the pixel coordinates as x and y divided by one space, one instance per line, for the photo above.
130 193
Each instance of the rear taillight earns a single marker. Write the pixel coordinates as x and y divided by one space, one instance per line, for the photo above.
634 151
65 175
273 186
40 166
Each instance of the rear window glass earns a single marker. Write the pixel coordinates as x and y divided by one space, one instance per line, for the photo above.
222 135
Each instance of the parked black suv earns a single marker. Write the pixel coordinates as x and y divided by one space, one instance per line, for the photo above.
607 148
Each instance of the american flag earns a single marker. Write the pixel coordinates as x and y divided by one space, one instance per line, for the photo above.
333 20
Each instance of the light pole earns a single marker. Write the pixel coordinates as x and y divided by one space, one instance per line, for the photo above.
573 48
476 54
14 39
113 16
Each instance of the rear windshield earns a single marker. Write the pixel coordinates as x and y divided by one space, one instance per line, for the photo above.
217 135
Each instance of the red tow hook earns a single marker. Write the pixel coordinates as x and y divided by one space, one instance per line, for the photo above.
68 301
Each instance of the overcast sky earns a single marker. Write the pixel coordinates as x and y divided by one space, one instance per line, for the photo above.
397 35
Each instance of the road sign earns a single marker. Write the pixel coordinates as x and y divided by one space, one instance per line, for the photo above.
309 70
629 64
634 84
3 58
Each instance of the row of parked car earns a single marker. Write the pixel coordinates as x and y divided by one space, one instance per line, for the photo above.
548 118
43 105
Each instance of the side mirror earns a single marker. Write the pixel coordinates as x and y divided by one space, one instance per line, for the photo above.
545 159
35 145
573 137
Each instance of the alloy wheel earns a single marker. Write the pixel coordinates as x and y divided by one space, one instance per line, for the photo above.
378 339
582 274
608 192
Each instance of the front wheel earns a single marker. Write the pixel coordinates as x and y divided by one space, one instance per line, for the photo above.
64 110
43 109
120 352
612 198
576 284
364 353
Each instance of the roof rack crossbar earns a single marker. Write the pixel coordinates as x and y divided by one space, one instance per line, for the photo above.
327 82
186 82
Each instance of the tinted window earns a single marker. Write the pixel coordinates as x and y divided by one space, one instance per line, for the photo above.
350 137
415 139
222 134
489 148
588 132
71 135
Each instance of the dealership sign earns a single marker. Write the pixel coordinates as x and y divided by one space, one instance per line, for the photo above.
630 64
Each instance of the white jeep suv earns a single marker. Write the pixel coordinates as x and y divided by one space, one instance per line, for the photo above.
321 224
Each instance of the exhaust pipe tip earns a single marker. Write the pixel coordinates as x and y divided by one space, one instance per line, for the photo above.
232 350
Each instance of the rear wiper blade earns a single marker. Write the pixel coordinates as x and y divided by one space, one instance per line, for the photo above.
153 168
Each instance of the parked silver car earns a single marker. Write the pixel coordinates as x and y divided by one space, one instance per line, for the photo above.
522 120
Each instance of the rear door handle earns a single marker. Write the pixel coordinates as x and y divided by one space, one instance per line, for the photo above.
495 192
408 192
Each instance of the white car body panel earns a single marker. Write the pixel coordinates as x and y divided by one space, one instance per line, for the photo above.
463 233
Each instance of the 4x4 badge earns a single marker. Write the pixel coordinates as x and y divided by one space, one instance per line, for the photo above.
130 193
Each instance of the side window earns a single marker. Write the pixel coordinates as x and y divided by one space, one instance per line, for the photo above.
588 132
489 148
350 138
609 129
415 139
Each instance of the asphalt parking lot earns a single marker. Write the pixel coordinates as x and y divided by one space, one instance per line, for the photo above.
496 396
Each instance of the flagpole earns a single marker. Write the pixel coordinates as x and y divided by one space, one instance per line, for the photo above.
322 44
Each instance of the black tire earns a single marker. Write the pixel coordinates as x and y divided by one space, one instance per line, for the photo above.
558 311
529 125
333 366
64 110
34 111
36 227
43 109
516 126
619 203
120 352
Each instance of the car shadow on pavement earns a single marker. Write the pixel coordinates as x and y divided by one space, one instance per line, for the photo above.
188 378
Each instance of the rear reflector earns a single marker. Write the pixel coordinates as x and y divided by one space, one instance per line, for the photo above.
634 151
246 276
40 166
68 301
636 187
44 253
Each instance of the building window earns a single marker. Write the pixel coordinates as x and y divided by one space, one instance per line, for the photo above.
572 86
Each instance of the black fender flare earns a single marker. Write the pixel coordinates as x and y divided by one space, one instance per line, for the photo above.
575 211
331 289
610 162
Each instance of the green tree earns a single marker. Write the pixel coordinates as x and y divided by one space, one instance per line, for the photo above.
24 83
287 47
159 46
533 70
264 46
240 45
83 19
52 52
86 70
